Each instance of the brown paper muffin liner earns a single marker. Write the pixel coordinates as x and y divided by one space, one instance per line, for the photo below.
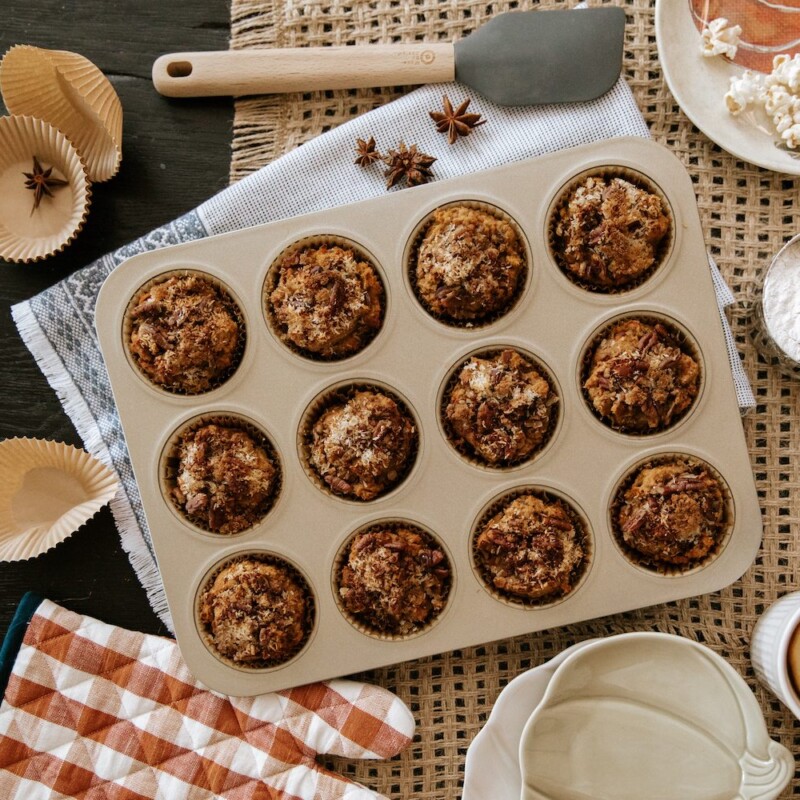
48 490
561 199
339 394
170 465
231 302
28 235
340 561
582 530
462 447
73 95
687 343
652 565
271 282
265 557
411 256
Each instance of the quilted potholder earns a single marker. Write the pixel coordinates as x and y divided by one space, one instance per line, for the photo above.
94 711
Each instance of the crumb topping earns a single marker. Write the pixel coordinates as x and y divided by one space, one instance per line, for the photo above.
531 548
327 300
256 611
640 378
184 333
500 407
395 580
673 512
364 446
224 478
468 263
609 231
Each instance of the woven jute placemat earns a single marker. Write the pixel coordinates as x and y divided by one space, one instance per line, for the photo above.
747 213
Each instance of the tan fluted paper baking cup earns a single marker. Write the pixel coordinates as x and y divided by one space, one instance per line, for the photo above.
27 235
47 491
73 95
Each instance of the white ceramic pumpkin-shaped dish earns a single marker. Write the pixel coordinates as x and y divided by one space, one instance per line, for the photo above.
649 715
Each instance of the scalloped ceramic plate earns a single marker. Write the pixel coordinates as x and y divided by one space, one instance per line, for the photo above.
649 715
699 85
492 766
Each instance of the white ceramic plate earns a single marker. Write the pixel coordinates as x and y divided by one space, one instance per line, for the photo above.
491 770
699 85
649 715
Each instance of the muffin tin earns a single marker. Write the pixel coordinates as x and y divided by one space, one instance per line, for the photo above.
414 355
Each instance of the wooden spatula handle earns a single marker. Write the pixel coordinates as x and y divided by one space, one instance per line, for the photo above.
242 72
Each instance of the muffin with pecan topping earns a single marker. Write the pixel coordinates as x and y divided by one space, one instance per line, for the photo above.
363 446
185 334
469 264
640 378
673 512
532 549
395 580
608 232
257 613
327 301
226 480
500 408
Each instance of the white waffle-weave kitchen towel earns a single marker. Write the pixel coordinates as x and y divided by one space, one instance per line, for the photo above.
58 325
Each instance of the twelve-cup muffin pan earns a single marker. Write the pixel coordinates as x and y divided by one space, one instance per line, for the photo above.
414 355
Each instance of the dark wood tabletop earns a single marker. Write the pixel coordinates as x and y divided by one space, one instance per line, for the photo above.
175 155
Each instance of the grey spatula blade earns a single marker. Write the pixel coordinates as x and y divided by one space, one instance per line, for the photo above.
530 57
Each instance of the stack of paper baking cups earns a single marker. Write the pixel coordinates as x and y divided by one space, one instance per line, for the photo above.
67 116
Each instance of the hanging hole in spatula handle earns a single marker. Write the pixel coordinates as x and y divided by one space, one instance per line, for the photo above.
179 69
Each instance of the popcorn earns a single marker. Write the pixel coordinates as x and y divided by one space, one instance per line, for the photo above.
791 136
778 93
745 90
777 100
786 70
720 38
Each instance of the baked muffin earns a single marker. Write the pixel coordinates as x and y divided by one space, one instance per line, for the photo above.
364 446
327 301
395 580
468 264
225 479
185 334
639 378
256 611
608 232
531 549
500 407
672 512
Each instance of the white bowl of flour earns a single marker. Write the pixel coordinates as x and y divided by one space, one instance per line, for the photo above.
780 305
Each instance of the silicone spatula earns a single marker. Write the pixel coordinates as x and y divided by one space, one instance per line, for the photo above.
517 58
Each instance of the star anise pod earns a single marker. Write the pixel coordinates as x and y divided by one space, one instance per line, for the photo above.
366 152
41 181
455 122
408 163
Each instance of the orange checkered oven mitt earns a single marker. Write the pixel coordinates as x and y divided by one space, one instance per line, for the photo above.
94 711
